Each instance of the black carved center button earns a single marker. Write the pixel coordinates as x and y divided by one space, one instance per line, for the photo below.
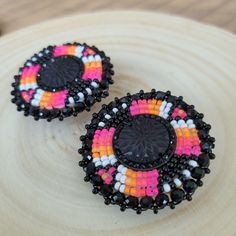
145 142
58 72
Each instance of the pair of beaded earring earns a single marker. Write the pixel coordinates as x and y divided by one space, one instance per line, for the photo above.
142 151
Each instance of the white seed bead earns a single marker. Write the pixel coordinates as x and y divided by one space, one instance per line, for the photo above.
193 163
177 182
162 108
166 188
79 49
34 59
71 100
163 105
35 102
39 91
79 54
110 157
34 86
173 122
29 64
89 91
165 115
96 159
189 122
113 161
84 59
120 168
105 163
124 170
167 109
115 110
27 86
169 105
22 87
180 122
89 157
81 96
122 188
97 58
124 105
176 126
101 124
40 54
94 84
98 163
118 176
38 96
107 116
103 158
117 185
90 58
122 179
184 125
192 126
186 173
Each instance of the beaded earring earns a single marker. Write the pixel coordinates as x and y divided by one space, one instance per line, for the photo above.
146 151
61 81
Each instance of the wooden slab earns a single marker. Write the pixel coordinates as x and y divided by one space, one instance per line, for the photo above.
42 191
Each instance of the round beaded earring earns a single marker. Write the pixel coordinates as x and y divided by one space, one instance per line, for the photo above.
146 151
61 81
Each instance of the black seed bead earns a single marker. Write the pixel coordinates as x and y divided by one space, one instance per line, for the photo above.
197 173
190 186
177 195
204 160
107 201
89 101
155 210
211 139
199 183
146 202
118 197
211 156
86 178
90 168
104 84
139 211
162 200
97 180
189 197
81 163
95 190
122 208
79 107
106 190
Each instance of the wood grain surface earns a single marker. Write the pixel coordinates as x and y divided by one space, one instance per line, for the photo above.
17 14
42 191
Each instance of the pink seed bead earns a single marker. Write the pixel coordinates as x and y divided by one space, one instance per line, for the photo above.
112 170
101 172
108 180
